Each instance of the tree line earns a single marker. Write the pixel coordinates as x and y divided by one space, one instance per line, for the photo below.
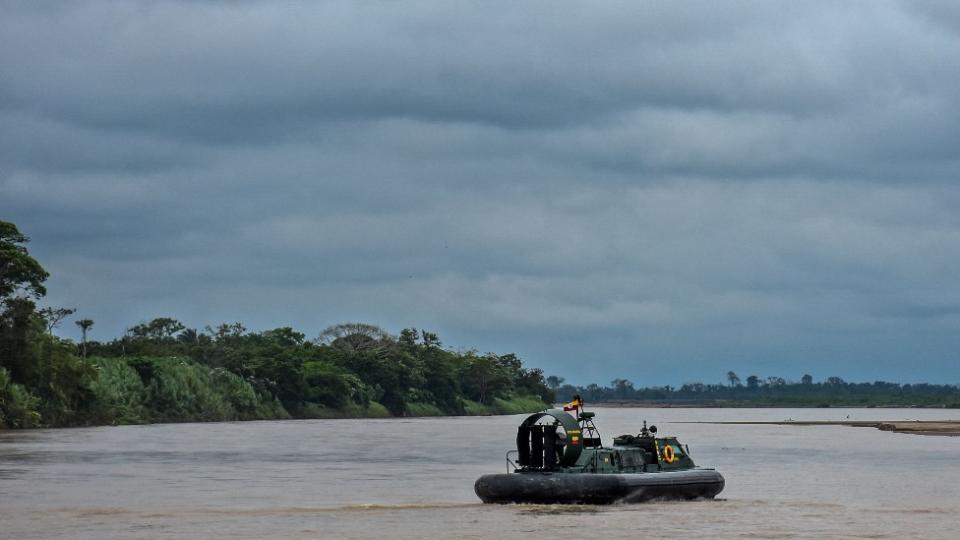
768 391
162 371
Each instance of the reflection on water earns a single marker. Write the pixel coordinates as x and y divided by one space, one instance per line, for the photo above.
413 478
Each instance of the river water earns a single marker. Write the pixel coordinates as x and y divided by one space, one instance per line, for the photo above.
413 478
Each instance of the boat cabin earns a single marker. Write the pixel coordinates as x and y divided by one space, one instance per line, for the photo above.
555 440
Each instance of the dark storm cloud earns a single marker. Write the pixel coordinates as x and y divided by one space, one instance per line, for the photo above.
665 190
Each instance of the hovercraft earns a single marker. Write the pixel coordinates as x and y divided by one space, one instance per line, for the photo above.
560 460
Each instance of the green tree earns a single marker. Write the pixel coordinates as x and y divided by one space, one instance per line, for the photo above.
622 388
54 316
285 336
21 280
733 379
85 325
19 272
484 378
408 338
354 336
440 379
158 329
776 382
429 339
18 407
225 331
18 324
189 336
328 385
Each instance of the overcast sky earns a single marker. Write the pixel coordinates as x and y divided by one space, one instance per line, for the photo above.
660 191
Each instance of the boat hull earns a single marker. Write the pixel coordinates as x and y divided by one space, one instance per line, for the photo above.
587 488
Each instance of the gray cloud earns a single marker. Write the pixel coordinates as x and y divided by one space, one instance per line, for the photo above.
660 191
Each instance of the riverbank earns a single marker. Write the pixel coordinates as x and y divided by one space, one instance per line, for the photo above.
767 404
508 406
513 405
947 428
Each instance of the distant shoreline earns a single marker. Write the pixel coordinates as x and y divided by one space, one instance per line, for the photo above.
944 428
752 405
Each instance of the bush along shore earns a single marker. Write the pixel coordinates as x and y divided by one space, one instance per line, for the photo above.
157 373
162 371
355 370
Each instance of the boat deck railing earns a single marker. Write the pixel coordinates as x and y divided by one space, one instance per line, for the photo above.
510 462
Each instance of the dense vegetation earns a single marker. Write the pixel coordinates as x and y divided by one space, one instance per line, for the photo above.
770 391
161 371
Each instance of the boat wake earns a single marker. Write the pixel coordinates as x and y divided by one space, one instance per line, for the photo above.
126 513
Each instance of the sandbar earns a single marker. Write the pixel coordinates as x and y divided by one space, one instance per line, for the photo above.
948 428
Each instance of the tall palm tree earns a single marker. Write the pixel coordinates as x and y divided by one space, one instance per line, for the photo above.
84 325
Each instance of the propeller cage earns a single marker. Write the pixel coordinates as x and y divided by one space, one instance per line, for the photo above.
539 447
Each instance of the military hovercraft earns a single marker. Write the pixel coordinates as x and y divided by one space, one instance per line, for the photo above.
560 459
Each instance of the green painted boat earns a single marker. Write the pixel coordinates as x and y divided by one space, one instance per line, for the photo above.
560 458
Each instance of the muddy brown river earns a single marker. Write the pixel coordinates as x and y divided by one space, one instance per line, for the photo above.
413 478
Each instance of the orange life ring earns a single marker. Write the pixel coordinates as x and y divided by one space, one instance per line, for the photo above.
668 454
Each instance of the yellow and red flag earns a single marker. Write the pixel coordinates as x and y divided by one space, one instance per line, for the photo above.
573 405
